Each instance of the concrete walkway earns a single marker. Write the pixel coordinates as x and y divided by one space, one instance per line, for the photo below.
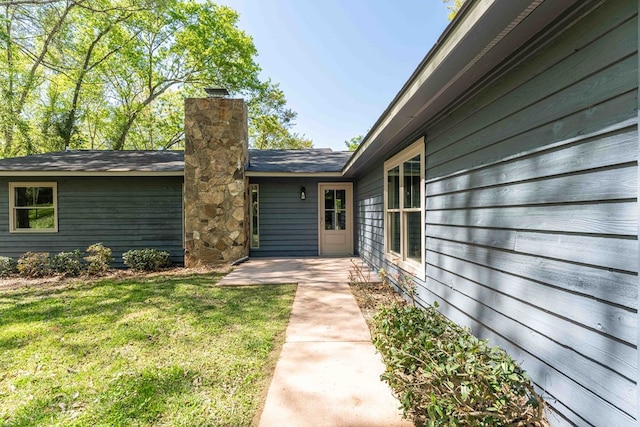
328 373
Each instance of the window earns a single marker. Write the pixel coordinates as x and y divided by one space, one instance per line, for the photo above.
255 214
33 207
335 205
404 210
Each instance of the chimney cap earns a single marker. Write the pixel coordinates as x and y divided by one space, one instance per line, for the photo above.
216 92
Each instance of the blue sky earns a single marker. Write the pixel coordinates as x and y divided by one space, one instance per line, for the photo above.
340 62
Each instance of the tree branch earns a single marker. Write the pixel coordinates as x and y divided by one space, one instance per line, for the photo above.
28 2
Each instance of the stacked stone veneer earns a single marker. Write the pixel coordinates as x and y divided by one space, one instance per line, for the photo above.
215 194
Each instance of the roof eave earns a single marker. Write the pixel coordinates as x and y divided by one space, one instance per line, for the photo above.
484 33
293 174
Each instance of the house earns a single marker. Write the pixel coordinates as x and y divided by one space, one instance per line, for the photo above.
70 200
133 200
503 178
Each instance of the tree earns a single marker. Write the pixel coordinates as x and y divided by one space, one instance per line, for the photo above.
28 2
113 74
186 45
453 6
27 36
84 52
270 121
353 143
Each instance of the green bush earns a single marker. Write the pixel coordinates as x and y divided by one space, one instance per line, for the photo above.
146 259
99 259
8 266
67 263
444 376
34 264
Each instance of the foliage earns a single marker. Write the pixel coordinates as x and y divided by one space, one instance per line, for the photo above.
453 6
146 259
34 264
99 259
163 350
271 122
67 263
444 376
353 143
112 74
8 266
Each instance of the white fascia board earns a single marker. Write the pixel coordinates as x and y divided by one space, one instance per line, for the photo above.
294 174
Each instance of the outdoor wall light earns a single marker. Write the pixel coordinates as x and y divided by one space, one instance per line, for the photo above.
303 194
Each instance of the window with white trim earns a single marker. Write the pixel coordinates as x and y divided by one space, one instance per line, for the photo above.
33 207
404 208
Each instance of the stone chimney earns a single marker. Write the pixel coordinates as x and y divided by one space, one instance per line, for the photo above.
216 223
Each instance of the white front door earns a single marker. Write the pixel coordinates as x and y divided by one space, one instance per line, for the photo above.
335 226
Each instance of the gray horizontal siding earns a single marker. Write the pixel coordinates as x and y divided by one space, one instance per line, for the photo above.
369 216
288 225
532 216
123 213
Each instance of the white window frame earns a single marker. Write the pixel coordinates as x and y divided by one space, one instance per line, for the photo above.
400 259
252 244
12 207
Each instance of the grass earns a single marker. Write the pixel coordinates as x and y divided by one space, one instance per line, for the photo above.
162 351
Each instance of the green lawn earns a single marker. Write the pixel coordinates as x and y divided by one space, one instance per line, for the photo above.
161 351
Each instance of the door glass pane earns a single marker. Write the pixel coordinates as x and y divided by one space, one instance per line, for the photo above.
414 237
329 199
411 181
393 188
394 232
341 199
341 220
329 220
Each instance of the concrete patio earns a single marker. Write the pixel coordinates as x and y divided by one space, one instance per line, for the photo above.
328 373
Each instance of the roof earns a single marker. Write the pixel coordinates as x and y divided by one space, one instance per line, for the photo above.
297 162
313 162
96 162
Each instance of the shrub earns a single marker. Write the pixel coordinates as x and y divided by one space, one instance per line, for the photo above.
34 264
99 259
7 266
67 263
146 259
444 376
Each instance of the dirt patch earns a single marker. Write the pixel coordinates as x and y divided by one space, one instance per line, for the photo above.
372 296
61 281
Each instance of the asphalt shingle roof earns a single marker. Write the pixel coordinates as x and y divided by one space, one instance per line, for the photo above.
297 161
78 161
97 161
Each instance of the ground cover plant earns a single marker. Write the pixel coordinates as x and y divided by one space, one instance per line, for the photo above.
445 376
441 374
143 350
